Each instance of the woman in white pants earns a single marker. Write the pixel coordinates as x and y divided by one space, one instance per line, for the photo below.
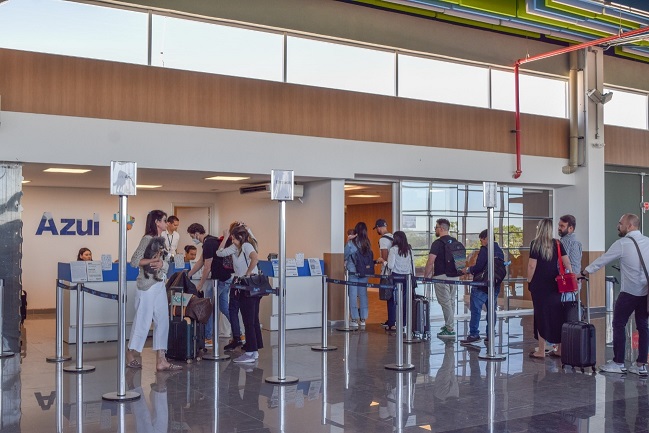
151 296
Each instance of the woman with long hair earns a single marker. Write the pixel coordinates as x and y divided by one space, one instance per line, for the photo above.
401 264
84 255
542 269
244 261
151 296
357 242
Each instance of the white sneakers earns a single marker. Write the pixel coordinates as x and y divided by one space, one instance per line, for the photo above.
613 367
640 370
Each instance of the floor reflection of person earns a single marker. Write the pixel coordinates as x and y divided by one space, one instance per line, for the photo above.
155 419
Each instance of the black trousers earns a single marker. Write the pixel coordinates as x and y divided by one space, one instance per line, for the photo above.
250 313
624 306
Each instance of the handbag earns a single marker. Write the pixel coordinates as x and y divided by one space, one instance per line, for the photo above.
644 267
565 282
255 286
199 309
413 277
386 293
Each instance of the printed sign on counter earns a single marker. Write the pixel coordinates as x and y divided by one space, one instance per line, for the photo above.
106 262
78 272
94 271
314 267
291 268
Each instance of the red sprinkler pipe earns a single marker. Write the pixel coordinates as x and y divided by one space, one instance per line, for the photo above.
565 50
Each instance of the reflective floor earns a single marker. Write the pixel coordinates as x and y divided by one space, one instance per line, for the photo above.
449 390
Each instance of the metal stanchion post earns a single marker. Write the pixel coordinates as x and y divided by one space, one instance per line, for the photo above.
610 292
491 378
399 366
410 339
490 202
325 308
214 356
121 394
79 367
3 354
79 404
282 378
346 360
399 404
59 357
346 327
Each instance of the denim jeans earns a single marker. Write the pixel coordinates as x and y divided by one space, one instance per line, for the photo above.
223 288
360 293
624 306
478 299
234 314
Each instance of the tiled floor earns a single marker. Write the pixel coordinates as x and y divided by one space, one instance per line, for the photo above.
450 389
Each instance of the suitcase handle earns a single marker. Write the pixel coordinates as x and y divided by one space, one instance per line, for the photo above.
587 297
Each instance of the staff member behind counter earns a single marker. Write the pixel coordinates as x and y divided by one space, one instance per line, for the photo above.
84 255
171 236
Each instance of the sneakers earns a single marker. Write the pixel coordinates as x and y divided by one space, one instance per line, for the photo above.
614 367
209 342
232 345
640 370
362 323
353 324
255 354
246 358
471 339
446 333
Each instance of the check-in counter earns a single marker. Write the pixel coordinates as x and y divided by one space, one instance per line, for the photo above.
100 314
303 299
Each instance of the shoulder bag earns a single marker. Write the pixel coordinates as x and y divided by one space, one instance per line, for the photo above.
413 278
385 293
254 285
566 283
644 267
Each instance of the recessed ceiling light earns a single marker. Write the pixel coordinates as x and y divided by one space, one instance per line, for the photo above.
67 170
148 186
228 178
365 195
26 181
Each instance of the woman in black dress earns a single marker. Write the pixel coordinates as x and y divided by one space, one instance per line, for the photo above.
542 268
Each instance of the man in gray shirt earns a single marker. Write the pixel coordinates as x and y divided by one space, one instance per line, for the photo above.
567 225
633 293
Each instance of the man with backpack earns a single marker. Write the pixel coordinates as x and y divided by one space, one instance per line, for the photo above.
385 243
446 260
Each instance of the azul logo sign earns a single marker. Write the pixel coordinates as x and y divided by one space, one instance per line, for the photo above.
69 226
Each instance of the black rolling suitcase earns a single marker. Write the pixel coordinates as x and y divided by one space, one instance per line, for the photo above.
421 318
578 341
183 340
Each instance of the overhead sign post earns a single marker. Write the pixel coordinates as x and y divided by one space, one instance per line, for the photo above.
123 181
281 189
490 201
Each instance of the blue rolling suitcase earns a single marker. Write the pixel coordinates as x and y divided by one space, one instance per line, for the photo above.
578 341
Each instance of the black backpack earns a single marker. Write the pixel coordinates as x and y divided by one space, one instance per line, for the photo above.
364 263
500 272
454 257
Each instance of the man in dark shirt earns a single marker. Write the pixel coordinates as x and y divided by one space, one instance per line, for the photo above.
213 271
436 267
479 296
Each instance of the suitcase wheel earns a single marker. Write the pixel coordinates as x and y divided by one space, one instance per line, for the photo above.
189 361
198 358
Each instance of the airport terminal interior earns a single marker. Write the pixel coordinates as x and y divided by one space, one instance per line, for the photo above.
401 111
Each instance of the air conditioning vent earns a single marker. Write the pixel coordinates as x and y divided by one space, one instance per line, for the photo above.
263 190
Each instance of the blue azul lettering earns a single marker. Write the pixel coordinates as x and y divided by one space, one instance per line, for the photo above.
71 226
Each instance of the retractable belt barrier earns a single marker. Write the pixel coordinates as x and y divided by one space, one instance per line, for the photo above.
104 295
356 283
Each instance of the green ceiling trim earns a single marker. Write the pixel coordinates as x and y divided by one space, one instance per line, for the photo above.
588 14
619 52
503 7
443 17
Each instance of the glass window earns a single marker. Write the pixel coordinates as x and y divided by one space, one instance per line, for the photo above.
213 48
443 81
337 66
626 109
538 95
74 29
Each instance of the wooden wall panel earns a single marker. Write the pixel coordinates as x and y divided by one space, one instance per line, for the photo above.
70 86
626 146
369 213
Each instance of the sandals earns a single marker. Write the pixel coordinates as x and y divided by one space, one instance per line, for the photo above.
555 354
134 364
392 328
532 355
170 367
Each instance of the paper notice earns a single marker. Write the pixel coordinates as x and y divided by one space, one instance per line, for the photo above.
94 271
